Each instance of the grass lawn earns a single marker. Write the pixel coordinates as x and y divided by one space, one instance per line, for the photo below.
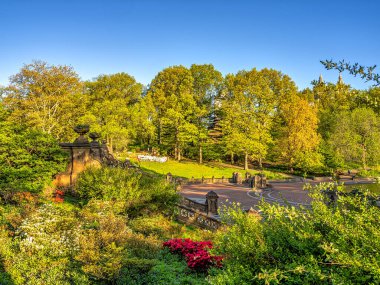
374 188
188 169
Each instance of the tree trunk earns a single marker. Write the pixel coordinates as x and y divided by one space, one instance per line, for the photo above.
260 163
111 146
364 157
232 158
246 161
159 133
200 154
179 154
176 147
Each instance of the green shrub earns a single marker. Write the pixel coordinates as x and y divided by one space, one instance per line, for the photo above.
337 244
168 269
43 249
137 192
28 158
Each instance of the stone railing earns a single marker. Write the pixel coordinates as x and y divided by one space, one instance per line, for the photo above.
256 181
197 218
199 214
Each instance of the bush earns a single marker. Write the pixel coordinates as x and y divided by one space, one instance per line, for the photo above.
172 269
43 249
335 244
137 192
196 253
28 158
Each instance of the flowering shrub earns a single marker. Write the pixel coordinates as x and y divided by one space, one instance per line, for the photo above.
195 252
59 196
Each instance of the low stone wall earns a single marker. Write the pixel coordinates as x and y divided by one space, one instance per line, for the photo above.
212 180
191 216
200 214
186 202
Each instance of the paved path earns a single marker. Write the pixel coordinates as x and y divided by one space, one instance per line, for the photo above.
283 193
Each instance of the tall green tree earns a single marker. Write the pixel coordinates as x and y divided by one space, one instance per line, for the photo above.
110 103
248 107
298 140
171 92
28 158
45 97
356 137
207 85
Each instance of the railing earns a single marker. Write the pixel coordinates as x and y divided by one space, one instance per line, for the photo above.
197 218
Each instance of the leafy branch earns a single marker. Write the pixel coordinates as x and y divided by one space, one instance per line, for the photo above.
355 69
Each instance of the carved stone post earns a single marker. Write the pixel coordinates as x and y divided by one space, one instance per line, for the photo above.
263 181
247 176
212 203
257 181
169 177
239 178
234 177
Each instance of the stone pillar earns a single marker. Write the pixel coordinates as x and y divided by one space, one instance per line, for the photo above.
239 178
251 182
234 177
169 177
257 181
212 203
263 181
247 176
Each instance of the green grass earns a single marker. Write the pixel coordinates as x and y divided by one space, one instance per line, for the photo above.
189 169
374 188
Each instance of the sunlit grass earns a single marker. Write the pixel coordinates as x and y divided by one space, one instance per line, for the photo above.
189 169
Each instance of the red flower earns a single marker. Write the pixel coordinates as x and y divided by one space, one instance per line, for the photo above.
196 253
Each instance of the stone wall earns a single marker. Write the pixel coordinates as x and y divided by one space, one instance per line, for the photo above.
84 154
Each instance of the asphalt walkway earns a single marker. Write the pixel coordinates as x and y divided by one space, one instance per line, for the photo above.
290 193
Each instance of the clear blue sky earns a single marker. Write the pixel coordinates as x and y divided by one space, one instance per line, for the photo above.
142 37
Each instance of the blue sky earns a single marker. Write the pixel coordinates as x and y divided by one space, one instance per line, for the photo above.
143 37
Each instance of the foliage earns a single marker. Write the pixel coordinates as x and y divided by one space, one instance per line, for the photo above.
28 158
175 105
298 139
43 249
131 191
355 69
169 269
196 253
165 228
356 136
45 97
336 244
111 100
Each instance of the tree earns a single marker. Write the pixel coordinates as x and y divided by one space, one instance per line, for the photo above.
171 92
355 69
110 100
299 138
28 158
356 136
45 97
248 107
206 86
